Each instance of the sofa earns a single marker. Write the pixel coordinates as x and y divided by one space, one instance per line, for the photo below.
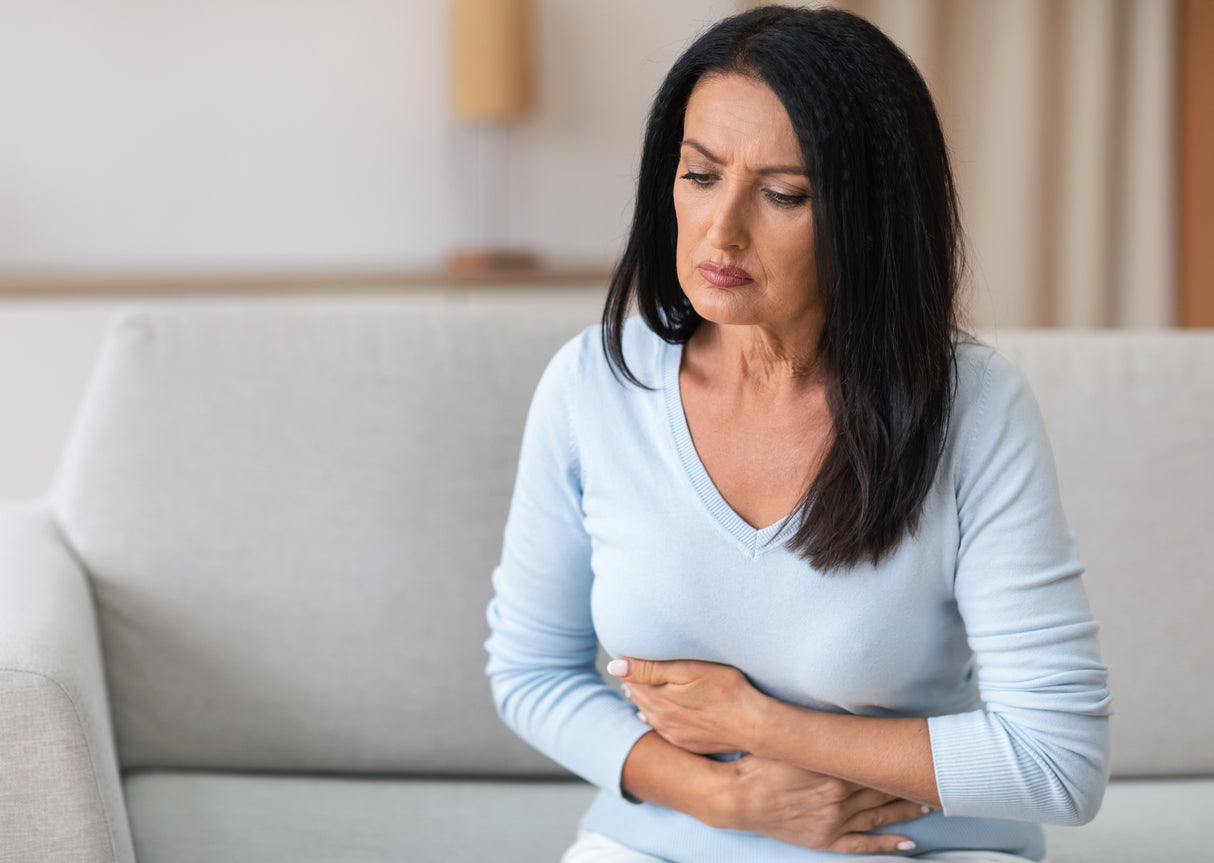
245 623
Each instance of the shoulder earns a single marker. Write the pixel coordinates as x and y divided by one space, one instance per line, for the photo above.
993 408
582 361
582 401
984 379
580 388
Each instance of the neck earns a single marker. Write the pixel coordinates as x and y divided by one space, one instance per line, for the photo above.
758 355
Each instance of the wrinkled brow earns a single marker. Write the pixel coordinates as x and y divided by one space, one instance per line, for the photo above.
777 169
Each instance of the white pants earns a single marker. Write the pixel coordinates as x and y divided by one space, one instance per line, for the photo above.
597 848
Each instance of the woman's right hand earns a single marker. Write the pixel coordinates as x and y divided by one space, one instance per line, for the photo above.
809 809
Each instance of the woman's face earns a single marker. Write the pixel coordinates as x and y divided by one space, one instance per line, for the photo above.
745 253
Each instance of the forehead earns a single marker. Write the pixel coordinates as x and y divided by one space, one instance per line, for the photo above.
735 116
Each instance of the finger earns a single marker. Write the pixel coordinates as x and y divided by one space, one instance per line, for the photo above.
871 843
880 816
863 798
647 672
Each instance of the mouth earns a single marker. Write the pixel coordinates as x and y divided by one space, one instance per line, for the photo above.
724 276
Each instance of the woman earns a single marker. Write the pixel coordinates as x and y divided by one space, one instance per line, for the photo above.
820 532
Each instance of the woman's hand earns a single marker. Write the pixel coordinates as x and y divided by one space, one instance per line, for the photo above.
702 707
706 708
811 810
773 798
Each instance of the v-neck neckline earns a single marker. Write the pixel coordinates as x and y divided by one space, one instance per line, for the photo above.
753 540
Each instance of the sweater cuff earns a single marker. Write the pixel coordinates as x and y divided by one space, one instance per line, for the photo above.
622 736
975 760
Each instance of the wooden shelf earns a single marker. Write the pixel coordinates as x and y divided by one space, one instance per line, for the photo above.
116 284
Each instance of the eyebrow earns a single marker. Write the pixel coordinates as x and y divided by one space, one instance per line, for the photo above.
778 169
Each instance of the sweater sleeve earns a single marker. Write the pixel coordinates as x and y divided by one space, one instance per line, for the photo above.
542 646
1038 748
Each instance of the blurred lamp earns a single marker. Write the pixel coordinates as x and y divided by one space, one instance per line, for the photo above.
491 86
491 59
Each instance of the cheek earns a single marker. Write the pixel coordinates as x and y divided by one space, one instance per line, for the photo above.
683 224
795 255
808 264
687 240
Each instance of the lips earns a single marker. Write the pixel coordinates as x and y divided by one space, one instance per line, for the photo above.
724 276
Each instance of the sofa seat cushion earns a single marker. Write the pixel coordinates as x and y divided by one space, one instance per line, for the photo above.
217 818
184 817
1154 819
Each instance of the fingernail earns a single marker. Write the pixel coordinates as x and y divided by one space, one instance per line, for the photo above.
906 846
617 667
925 809
641 716
627 692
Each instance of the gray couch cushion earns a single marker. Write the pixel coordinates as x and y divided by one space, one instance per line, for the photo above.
196 818
1131 418
290 520
199 818
1141 822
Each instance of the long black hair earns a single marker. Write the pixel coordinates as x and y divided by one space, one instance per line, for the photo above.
888 251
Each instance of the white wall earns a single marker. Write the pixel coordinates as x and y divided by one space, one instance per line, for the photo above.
46 351
236 135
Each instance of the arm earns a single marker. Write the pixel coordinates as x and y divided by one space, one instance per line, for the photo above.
1039 750
704 707
775 798
543 644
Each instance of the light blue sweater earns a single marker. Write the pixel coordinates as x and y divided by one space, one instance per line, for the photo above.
979 622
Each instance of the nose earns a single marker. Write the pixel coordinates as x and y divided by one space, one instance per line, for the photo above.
729 228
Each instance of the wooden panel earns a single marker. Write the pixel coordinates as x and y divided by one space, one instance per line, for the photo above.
1196 163
169 284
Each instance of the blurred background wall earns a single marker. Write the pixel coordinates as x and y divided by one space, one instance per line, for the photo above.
240 139
253 135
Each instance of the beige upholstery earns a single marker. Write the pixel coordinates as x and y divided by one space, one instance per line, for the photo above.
59 793
267 556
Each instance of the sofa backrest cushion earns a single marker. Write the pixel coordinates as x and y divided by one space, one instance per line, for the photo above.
290 519
1131 420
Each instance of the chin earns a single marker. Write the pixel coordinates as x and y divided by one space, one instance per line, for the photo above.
722 305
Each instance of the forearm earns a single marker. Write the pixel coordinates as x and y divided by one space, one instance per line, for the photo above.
893 755
567 713
759 795
661 773
708 707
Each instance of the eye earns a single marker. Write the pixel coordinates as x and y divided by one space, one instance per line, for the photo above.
785 200
700 181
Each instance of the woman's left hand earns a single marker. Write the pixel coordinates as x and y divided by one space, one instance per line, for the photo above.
702 707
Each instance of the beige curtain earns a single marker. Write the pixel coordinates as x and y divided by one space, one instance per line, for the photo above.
1059 114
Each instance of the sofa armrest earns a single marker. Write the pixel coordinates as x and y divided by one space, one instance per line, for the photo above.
60 793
